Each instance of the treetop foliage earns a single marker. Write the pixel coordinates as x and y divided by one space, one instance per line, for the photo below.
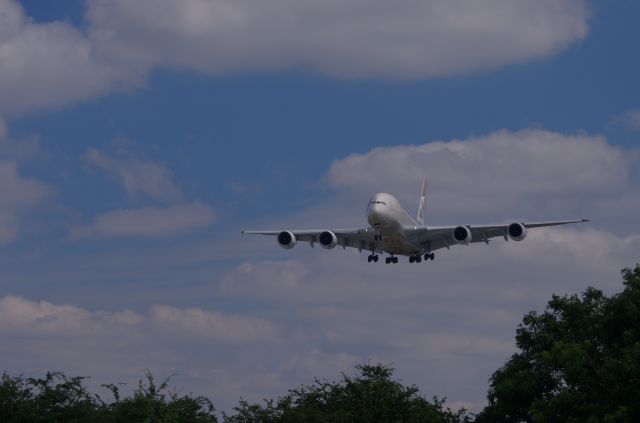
58 398
371 396
578 361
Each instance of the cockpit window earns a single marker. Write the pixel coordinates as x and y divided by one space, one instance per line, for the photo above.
377 202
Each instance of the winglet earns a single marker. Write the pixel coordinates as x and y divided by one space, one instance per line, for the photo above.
423 202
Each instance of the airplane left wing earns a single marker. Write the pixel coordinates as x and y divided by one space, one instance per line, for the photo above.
434 238
360 238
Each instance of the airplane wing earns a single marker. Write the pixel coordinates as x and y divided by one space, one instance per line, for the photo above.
434 238
360 238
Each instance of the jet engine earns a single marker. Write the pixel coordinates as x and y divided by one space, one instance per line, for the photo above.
461 235
287 240
517 231
327 239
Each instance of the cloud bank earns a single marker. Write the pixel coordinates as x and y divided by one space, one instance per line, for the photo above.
146 222
530 174
52 64
20 316
44 65
18 196
353 38
149 181
631 119
138 175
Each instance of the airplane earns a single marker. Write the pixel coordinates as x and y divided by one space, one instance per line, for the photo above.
394 232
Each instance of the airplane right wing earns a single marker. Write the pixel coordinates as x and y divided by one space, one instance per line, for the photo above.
360 238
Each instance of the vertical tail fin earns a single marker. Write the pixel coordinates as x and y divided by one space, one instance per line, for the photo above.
423 202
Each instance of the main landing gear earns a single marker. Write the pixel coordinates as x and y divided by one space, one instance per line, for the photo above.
393 259
418 259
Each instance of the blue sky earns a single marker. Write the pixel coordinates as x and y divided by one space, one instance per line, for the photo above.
299 122
134 148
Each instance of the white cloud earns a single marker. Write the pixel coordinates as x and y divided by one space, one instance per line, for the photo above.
16 191
589 247
279 277
630 118
18 195
212 324
148 180
56 63
354 38
19 316
531 174
115 346
147 221
47 64
137 175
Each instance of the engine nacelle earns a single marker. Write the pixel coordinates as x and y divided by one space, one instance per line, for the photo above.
517 231
287 240
327 239
461 235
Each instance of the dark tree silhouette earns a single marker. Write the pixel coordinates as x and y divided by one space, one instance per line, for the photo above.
578 361
371 396
58 398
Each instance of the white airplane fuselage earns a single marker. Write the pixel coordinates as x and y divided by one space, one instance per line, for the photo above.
387 216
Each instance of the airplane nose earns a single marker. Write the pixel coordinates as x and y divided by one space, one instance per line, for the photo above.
374 216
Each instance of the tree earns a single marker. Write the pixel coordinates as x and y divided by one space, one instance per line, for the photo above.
579 360
153 403
55 397
58 398
371 396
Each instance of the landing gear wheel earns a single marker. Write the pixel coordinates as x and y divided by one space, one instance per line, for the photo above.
375 258
370 258
418 259
394 259
429 256
412 259
388 260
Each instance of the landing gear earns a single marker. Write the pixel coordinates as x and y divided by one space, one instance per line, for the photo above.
429 256
391 260
415 259
372 257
